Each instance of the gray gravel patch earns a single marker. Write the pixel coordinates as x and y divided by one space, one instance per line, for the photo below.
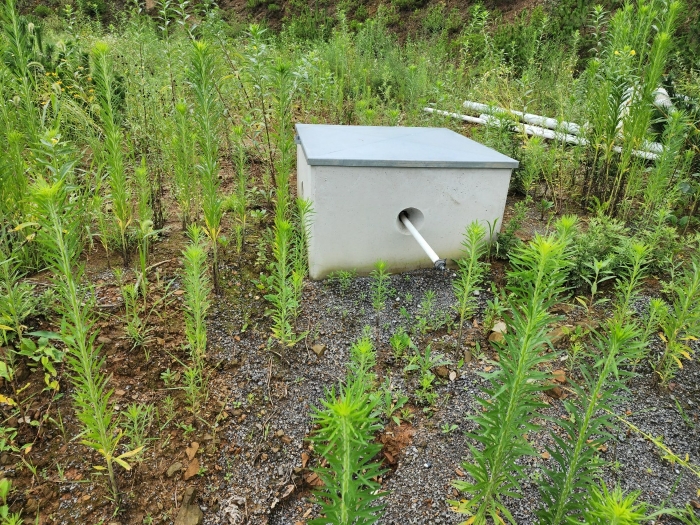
270 400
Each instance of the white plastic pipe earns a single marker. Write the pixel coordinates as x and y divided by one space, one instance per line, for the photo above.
528 118
439 263
465 118
487 120
538 131
568 128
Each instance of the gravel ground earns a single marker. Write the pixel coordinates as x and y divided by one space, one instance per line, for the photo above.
270 399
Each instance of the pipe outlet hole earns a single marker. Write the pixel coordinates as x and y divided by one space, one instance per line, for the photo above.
414 215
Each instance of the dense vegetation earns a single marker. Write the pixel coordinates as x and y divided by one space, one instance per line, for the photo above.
183 119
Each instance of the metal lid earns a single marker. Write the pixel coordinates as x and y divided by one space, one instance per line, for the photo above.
328 145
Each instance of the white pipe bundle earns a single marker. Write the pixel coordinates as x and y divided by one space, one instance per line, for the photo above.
568 127
547 132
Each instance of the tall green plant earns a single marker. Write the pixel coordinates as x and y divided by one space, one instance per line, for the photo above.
680 324
661 187
537 277
197 290
20 43
380 286
92 394
620 82
657 21
105 88
13 179
345 439
241 196
566 488
145 230
284 87
186 183
16 304
633 269
471 271
282 294
208 114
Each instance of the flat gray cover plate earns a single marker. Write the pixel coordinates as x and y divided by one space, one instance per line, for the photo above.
329 145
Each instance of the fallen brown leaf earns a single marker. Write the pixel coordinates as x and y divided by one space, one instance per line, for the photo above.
287 491
555 392
560 376
192 469
313 480
192 450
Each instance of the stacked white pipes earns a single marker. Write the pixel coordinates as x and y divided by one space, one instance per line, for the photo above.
549 128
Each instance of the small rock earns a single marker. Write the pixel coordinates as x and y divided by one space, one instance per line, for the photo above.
31 506
104 340
319 349
22 372
590 324
231 509
190 513
562 308
500 328
174 468
453 375
279 433
442 371
496 337
560 333
428 465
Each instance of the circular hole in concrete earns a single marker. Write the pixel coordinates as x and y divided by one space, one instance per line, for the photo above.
414 215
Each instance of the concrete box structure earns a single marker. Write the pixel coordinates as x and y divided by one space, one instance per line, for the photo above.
360 178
